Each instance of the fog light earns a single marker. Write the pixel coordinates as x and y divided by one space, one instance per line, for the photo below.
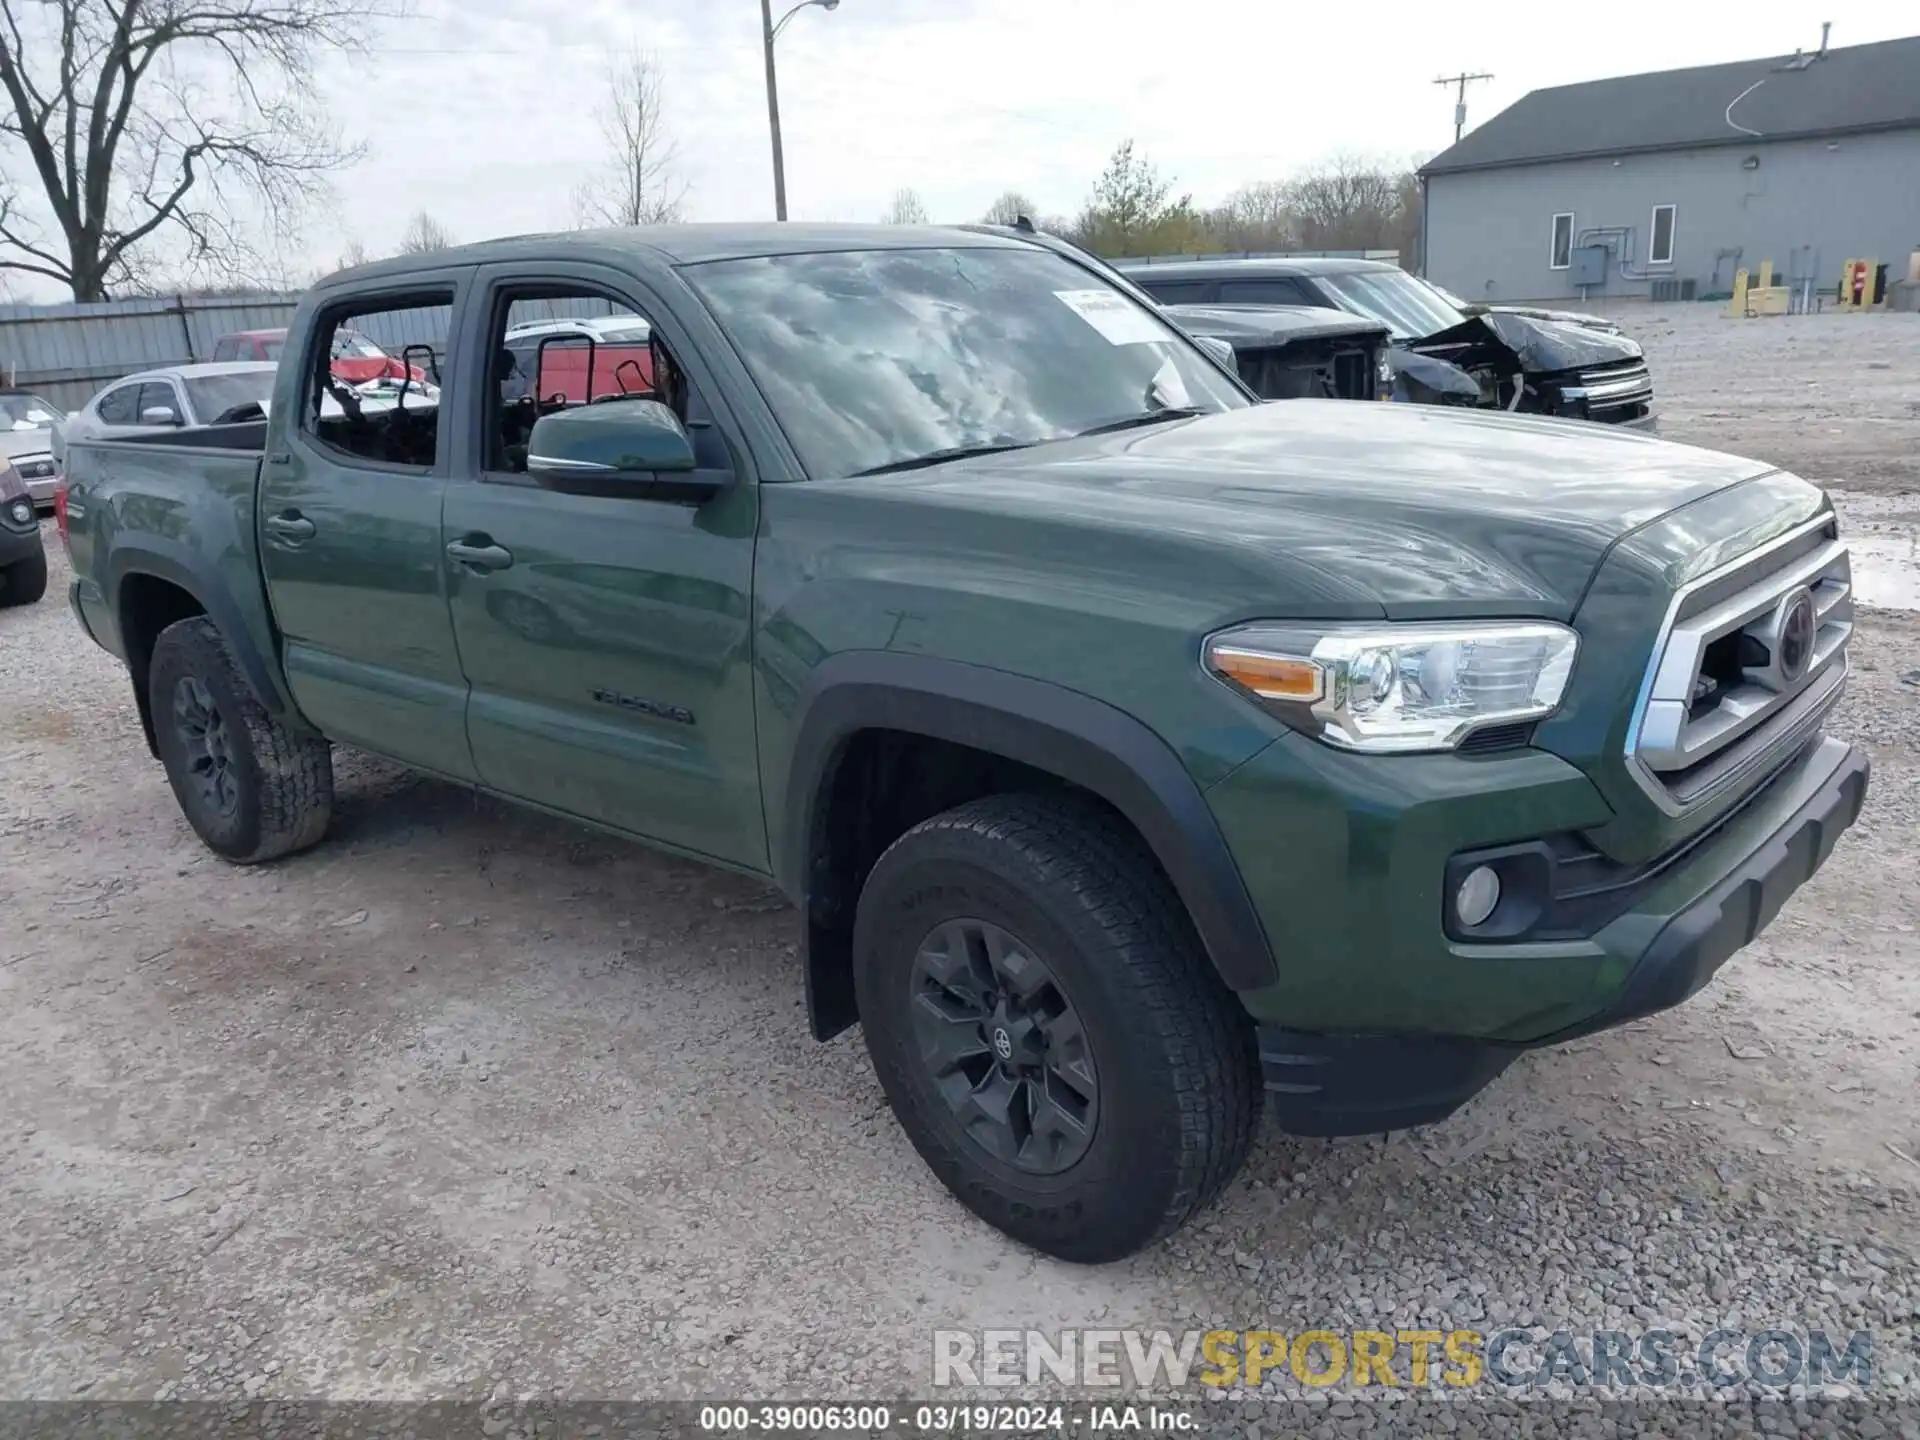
22 511
1477 896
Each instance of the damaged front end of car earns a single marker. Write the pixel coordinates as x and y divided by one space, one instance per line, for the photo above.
1503 361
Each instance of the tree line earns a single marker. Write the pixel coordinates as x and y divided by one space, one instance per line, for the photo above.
1346 202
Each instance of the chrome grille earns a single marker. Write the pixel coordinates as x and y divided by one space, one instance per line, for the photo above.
1722 702
1612 393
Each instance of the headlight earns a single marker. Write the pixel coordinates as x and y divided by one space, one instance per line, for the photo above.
1398 688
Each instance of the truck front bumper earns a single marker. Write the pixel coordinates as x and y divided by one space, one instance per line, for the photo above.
1331 1072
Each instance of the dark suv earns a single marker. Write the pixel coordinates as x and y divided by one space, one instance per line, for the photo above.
1441 355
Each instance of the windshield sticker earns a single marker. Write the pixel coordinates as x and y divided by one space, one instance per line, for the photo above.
1113 315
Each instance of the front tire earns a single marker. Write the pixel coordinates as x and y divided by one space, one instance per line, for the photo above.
251 788
24 581
1047 1027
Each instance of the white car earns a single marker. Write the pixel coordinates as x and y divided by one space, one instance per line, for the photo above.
222 392
603 329
169 398
26 440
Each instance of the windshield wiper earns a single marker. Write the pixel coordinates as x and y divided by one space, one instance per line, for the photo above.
940 457
1145 417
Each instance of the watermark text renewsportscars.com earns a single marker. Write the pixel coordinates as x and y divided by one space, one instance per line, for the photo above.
1510 1360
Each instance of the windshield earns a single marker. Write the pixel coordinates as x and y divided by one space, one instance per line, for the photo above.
213 396
347 345
1407 306
877 357
27 412
623 335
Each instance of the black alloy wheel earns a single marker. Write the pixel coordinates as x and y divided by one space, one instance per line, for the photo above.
207 746
1004 1046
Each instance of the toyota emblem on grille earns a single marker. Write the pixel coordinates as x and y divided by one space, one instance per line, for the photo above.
1793 635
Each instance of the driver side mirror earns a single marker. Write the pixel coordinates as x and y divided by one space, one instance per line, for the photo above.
1220 350
616 448
159 415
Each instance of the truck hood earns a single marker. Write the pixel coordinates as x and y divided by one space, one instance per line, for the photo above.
1343 509
1537 346
15 443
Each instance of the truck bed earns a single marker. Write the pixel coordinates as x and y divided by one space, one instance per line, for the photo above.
178 504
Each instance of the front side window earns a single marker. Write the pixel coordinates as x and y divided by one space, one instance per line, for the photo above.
874 359
157 395
1409 307
1660 250
227 399
1560 255
388 414
540 368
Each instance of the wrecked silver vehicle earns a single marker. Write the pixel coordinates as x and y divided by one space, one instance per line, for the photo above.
1294 352
1440 355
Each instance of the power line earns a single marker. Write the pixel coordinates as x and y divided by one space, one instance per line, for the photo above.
1460 104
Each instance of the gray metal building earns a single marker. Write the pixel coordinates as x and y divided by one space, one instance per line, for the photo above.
1662 186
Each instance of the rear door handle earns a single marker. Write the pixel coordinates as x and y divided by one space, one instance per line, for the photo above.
290 525
478 553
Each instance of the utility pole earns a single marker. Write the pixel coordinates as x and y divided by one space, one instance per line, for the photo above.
773 113
1460 104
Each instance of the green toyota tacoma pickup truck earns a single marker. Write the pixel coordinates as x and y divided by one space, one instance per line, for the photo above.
1127 746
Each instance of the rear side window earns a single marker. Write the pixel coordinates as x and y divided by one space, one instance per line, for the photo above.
1173 292
1264 292
372 390
226 348
116 407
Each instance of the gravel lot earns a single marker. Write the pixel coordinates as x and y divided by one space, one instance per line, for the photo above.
469 1103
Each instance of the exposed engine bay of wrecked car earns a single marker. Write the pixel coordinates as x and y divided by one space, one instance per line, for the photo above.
1514 362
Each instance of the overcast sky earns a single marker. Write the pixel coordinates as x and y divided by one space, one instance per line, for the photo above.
482 111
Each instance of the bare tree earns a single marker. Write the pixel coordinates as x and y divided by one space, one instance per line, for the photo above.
1008 207
425 235
356 253
148 121
640 184
1255 217
1347 202
906 208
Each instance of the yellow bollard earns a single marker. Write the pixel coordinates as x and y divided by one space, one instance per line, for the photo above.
1766 274
1738 308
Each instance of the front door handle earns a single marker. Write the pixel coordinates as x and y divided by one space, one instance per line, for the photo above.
478 553
290 525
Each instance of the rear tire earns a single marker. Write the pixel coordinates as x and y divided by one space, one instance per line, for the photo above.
251 788
1135 1068
24 581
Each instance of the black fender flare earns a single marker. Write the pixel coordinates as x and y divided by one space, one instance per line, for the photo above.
1050 728
169 560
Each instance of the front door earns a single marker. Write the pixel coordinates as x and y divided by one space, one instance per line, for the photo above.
606 641
350 544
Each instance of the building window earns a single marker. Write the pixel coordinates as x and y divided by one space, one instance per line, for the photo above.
1561 254
1660 248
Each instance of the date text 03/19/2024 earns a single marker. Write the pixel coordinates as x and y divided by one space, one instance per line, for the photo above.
940 1419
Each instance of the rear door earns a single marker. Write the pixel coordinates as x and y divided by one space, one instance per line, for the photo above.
605 639
350 497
